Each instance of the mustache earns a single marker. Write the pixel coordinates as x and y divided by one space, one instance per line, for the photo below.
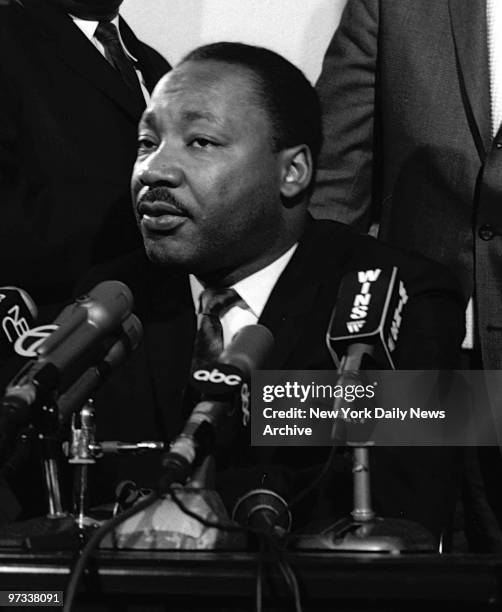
161 194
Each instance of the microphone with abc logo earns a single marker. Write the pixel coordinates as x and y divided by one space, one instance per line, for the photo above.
222 385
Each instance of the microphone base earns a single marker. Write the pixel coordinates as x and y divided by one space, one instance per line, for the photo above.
380 535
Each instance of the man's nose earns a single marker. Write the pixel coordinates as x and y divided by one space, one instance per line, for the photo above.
159 168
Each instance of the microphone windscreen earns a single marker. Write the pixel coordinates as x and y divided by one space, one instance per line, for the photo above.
368 310
249 348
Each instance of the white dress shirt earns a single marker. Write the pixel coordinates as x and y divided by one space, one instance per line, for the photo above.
254 292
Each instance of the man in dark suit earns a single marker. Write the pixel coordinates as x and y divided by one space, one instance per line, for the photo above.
70 101
413 143
405 89
69 109
227 153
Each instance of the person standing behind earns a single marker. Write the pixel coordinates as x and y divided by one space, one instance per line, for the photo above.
73 83
412 99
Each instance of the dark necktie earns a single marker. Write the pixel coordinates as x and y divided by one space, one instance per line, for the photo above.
108 36
209 338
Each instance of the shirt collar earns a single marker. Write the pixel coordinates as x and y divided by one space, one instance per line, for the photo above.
88 28
254 289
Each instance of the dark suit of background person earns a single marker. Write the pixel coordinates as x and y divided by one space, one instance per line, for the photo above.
68 131
405 90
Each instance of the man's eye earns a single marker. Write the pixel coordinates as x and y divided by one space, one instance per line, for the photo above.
145 144
202 143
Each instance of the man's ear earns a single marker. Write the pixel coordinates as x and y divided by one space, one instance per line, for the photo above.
296 170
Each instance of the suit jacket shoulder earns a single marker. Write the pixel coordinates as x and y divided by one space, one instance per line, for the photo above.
302 301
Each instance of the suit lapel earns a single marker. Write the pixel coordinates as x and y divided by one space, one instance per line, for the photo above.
287 307
75 50
299 296
468 17
148 70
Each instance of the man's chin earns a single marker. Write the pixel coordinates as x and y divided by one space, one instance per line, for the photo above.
166 257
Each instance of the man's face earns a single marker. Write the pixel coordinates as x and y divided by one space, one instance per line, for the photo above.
206 183
90 9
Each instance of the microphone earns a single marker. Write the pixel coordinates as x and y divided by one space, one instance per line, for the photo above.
367 318
222 383
82 389
364 329
362 334
265 510
246 352
82 332
17 313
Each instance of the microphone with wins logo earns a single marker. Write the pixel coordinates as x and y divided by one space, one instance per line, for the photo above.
363 334
367 318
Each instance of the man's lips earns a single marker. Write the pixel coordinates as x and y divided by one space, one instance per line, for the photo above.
160 216
158 208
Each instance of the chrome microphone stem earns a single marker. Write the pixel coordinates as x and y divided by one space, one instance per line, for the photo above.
81 495
116 446
362 511
82 456
53 489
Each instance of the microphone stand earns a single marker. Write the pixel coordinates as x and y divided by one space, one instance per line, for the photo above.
59 529
56 529
83 452
49 442
81 456
363 531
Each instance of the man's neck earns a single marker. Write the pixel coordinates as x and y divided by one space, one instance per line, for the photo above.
227 278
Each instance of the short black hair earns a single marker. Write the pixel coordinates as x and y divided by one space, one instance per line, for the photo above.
286 94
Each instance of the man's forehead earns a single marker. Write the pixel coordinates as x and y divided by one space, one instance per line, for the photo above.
208 80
